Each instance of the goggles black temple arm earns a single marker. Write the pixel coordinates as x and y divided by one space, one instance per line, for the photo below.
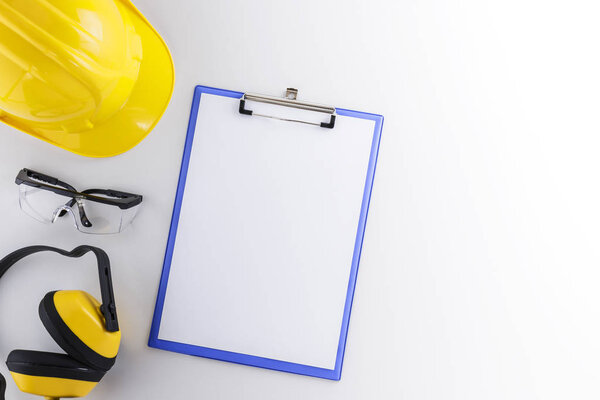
123 200
28 174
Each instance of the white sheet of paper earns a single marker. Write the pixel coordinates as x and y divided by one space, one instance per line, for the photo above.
266 233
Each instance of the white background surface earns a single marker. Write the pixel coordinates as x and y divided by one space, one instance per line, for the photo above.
479 273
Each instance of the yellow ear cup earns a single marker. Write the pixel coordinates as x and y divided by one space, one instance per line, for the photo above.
52 387
74 320
81 313
51 374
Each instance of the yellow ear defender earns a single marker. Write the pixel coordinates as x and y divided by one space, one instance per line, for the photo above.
85 329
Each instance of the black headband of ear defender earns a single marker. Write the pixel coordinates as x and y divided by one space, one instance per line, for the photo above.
108 307
2 387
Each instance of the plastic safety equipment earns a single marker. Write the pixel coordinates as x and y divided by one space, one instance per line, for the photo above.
87 330
89 76
99 211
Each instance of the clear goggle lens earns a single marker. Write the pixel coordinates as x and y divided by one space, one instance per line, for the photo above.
89 216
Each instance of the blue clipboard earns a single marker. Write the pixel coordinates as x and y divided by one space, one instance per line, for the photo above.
333 374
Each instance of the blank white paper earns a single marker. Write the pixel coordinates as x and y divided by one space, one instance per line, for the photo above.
266 234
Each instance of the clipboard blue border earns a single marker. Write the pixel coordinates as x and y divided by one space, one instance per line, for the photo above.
154 341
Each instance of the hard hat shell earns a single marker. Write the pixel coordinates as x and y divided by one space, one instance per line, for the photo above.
90 76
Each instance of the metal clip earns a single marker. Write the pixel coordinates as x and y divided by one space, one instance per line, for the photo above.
290 100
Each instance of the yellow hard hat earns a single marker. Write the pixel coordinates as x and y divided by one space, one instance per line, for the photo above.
90 76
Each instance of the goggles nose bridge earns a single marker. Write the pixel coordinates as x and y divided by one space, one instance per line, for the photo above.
67 208
60 211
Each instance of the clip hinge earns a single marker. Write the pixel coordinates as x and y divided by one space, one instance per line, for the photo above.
291 94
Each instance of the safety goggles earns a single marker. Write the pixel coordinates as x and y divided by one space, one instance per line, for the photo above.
98 211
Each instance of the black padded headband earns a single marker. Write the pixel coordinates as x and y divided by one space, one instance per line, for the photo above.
108 307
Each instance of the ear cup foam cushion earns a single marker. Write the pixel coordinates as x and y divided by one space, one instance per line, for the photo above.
41 363
67 340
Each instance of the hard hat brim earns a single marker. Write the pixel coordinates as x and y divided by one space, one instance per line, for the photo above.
143 109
